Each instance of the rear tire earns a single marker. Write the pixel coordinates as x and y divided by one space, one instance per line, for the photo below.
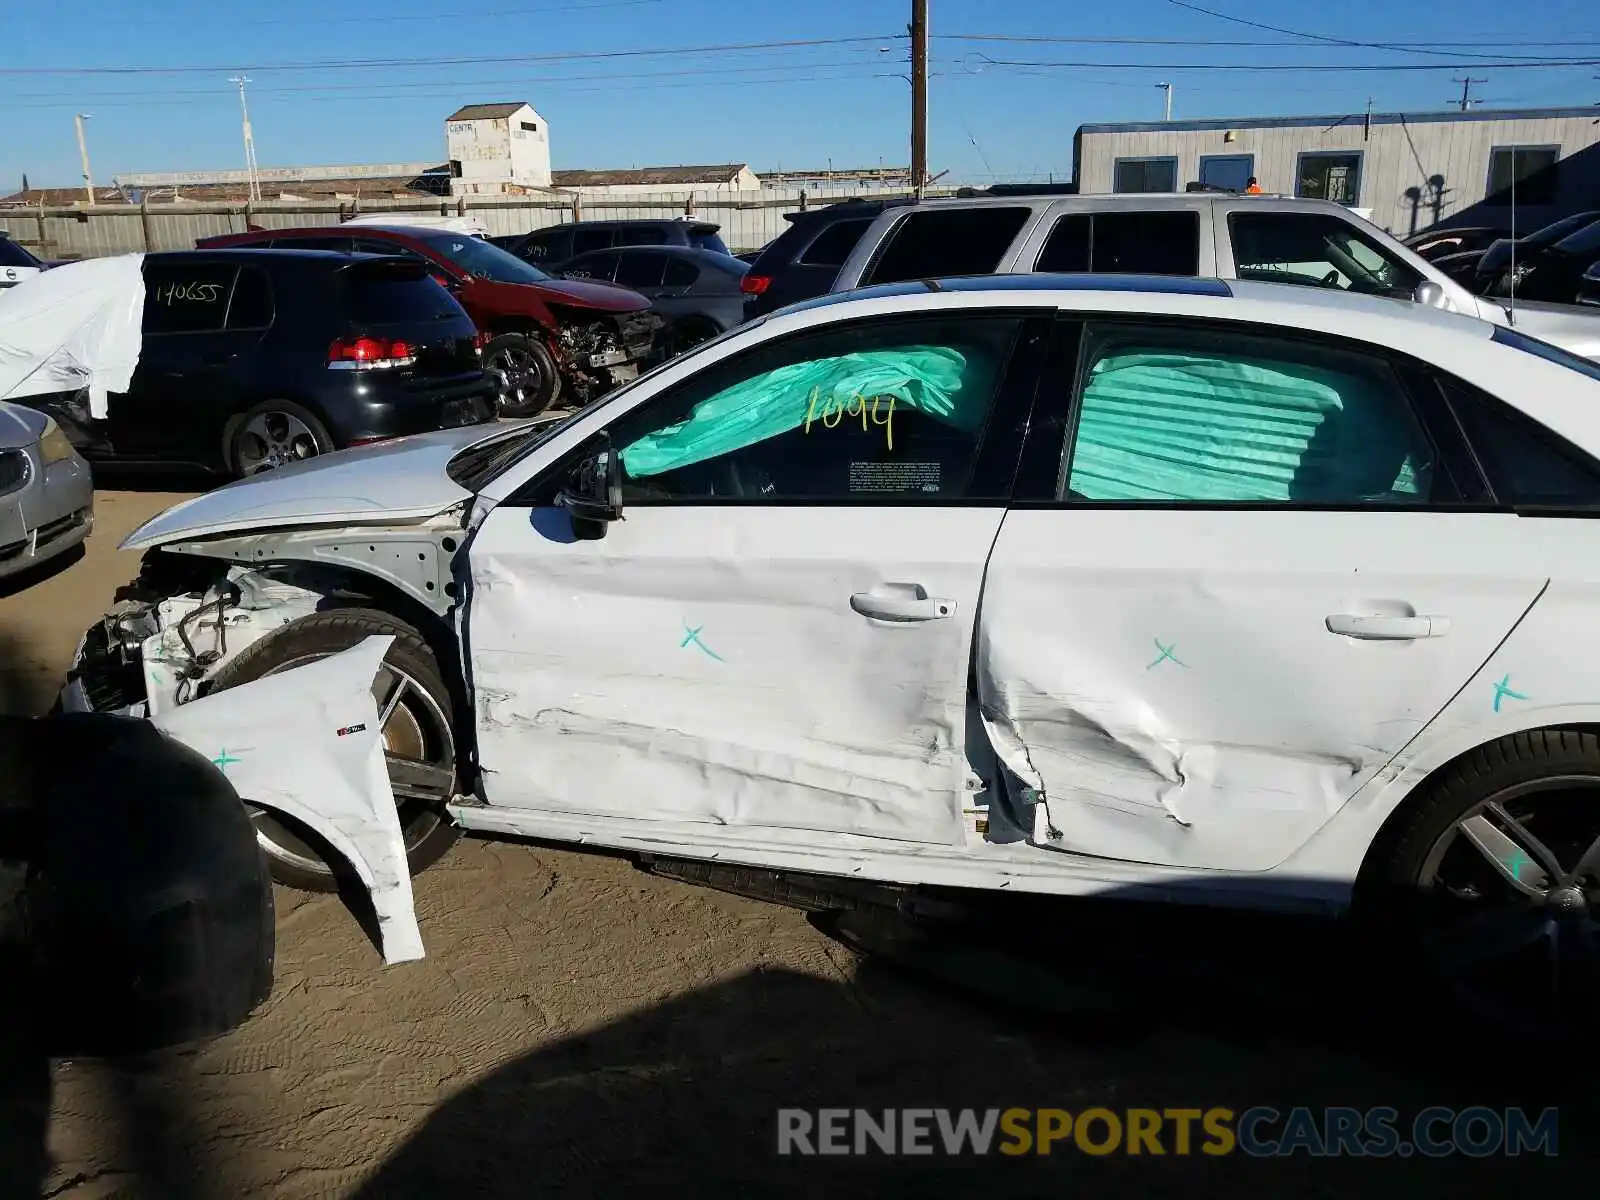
532 382
1486 890
274 434
420 727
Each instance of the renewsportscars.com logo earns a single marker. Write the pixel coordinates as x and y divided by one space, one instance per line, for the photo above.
1259 1132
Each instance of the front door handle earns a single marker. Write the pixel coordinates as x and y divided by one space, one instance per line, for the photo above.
1387 629
902 607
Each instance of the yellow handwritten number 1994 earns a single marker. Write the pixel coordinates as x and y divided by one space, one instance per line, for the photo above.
833 411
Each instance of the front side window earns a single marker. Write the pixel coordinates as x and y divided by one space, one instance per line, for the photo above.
868 412
186 297
1145 175
591 266
1335 177
1315 249
948 242
1531 168
1207 416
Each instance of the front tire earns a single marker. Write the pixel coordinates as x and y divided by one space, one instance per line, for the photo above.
415 705
531 381
1487 890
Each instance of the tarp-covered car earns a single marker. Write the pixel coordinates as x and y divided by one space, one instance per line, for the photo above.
1172 588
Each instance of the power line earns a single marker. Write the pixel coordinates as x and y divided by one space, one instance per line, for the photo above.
347 64
1281 45
1318 37
1155 66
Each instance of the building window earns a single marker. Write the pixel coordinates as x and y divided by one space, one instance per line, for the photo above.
1145 175
1230 171
1335 177
1532 168
530 126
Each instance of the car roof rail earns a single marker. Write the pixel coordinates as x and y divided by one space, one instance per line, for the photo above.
1019 189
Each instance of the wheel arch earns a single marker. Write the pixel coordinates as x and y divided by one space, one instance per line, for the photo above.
1415 781
231 423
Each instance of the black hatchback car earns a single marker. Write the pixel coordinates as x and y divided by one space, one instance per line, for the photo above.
251 359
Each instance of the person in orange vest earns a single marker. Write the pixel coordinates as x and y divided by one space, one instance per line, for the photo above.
1251 187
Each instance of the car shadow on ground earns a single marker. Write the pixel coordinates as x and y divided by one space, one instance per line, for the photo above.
12 585
125 477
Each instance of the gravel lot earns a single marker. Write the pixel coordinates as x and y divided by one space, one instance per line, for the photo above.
581 1027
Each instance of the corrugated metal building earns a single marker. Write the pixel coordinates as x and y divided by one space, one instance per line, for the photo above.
1412 170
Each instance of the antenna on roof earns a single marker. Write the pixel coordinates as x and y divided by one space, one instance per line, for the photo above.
1511 304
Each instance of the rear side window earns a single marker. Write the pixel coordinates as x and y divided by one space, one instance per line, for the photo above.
709 241
251 307
341 244
1524 462
833 245
1138 243
642 235
639 270
186 298
1206 416
395 298
947 242
680 274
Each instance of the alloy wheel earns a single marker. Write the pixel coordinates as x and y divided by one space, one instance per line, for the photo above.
519 375
274 439
1509 898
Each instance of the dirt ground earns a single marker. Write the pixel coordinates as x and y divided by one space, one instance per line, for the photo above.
581 1027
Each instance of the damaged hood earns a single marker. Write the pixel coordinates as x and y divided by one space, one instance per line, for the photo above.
399 481
72 328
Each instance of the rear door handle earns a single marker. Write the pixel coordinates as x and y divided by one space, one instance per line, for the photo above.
1387 629
902 608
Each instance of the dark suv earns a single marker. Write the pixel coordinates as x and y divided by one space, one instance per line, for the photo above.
551 247
805 259
251 360
546 336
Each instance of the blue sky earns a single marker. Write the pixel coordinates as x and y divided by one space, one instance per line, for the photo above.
789 107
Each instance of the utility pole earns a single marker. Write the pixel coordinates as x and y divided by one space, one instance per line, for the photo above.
1167 87
1466 91
919 95
249 140
83 153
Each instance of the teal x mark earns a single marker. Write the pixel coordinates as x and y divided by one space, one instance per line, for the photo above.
1503 689
693 635
222 760
1519 859
1167 653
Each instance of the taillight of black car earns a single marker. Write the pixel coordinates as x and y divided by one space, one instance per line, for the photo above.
401 318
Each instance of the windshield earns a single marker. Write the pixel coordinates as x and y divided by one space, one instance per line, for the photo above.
480 259
13 255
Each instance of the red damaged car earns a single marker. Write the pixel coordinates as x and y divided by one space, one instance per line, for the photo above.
546 337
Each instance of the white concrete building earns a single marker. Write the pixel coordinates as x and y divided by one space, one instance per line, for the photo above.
497 149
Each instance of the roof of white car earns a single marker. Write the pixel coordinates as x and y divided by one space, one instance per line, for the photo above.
1369 318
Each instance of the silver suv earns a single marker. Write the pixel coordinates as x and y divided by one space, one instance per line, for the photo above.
1313 242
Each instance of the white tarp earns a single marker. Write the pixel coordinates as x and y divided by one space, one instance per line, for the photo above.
308 743
75 326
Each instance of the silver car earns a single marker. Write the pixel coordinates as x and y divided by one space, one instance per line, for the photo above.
46 494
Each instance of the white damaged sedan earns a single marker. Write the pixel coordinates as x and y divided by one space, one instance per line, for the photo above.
1228 592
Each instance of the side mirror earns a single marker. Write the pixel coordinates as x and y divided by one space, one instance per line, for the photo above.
593 493
1430 294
